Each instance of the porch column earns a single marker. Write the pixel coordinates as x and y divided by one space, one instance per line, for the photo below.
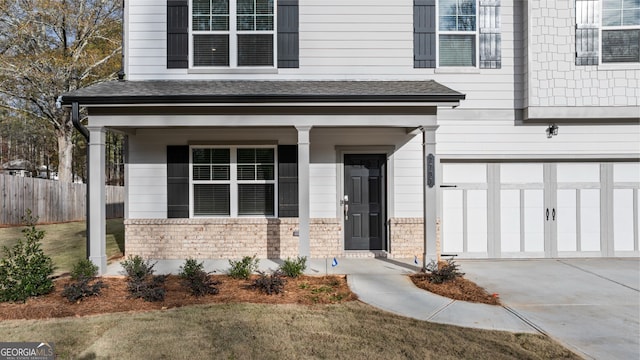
431 187
97 200
303 190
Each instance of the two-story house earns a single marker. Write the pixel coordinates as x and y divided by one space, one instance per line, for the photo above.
324 128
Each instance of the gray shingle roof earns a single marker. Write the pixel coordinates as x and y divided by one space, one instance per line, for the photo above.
244 91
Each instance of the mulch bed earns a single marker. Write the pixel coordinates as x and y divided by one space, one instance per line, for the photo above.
457 289
306 290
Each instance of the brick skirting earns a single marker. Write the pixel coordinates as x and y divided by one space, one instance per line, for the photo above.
228 238
266 238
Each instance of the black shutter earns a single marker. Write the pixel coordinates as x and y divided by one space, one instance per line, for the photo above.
490 37
587 33
177 34
288 48
287 181
177 181
424 33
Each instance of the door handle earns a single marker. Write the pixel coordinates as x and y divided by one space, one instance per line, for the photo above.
553 214
547 214
345 203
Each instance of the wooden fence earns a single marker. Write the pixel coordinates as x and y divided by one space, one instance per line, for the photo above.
51 201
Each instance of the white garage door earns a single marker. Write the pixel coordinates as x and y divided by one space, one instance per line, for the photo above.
531 210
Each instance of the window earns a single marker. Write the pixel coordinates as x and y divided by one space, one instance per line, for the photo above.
233 181
620 31
232 33
457 32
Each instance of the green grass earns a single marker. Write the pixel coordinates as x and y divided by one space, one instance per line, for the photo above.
66 242
257 331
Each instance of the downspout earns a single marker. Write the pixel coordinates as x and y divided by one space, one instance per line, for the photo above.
75 119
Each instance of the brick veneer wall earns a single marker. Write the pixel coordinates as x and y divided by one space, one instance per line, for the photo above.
407 239
266 238
228 238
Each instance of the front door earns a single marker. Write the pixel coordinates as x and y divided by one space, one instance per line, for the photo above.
364 201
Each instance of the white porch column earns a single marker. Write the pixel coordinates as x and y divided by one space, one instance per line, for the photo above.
431 189
97 200
304 246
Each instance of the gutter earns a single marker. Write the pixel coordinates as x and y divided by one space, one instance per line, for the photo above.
75 119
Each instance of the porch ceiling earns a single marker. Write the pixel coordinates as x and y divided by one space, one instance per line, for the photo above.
200 92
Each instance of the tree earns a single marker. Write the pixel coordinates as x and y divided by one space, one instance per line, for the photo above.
49 47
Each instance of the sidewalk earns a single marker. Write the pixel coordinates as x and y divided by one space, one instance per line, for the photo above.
384 283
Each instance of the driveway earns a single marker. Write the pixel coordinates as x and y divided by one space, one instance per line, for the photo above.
590 305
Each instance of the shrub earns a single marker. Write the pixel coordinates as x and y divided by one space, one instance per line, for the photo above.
196 279
84 275
84 269
242 269
447 271
269 284
294 268
25 270
141 283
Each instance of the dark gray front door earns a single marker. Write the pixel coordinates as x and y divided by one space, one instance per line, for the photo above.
364 186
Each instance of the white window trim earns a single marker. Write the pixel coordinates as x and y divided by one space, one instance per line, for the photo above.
233 181
476 33
233 41
601 28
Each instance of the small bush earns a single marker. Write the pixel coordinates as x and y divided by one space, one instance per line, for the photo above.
25 270
84 275
196 279
242 269
446 272
84 269
294 268
141 283
78 290
269 284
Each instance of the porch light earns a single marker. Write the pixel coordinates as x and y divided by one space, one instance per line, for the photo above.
552 131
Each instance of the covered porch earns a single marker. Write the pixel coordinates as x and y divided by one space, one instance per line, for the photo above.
343 117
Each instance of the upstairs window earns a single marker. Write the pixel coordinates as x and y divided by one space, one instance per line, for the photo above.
233 33
620 31
457 32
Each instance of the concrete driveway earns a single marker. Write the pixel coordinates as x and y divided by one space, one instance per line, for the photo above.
590 305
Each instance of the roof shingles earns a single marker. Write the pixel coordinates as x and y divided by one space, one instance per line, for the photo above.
246 91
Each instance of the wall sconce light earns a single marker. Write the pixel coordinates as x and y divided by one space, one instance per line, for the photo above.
552 131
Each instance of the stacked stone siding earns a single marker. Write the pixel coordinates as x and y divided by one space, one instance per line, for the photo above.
407 237
227 238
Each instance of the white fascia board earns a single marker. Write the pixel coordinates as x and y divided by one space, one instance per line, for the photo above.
534 113
446 105
141 121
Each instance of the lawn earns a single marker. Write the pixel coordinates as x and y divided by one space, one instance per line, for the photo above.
66 242
257 331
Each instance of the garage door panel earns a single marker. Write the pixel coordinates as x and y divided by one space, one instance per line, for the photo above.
477 221
567 220
533 220
510 220
452 222
623 212
589 220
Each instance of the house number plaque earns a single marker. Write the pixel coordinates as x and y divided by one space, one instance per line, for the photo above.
431 170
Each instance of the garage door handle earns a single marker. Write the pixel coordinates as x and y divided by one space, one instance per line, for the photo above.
547 214
553 214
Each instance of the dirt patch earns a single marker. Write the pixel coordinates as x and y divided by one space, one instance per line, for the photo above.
307 290
457 289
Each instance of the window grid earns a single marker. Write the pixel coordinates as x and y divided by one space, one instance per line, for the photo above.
445 32
234 182
620 20
231 29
